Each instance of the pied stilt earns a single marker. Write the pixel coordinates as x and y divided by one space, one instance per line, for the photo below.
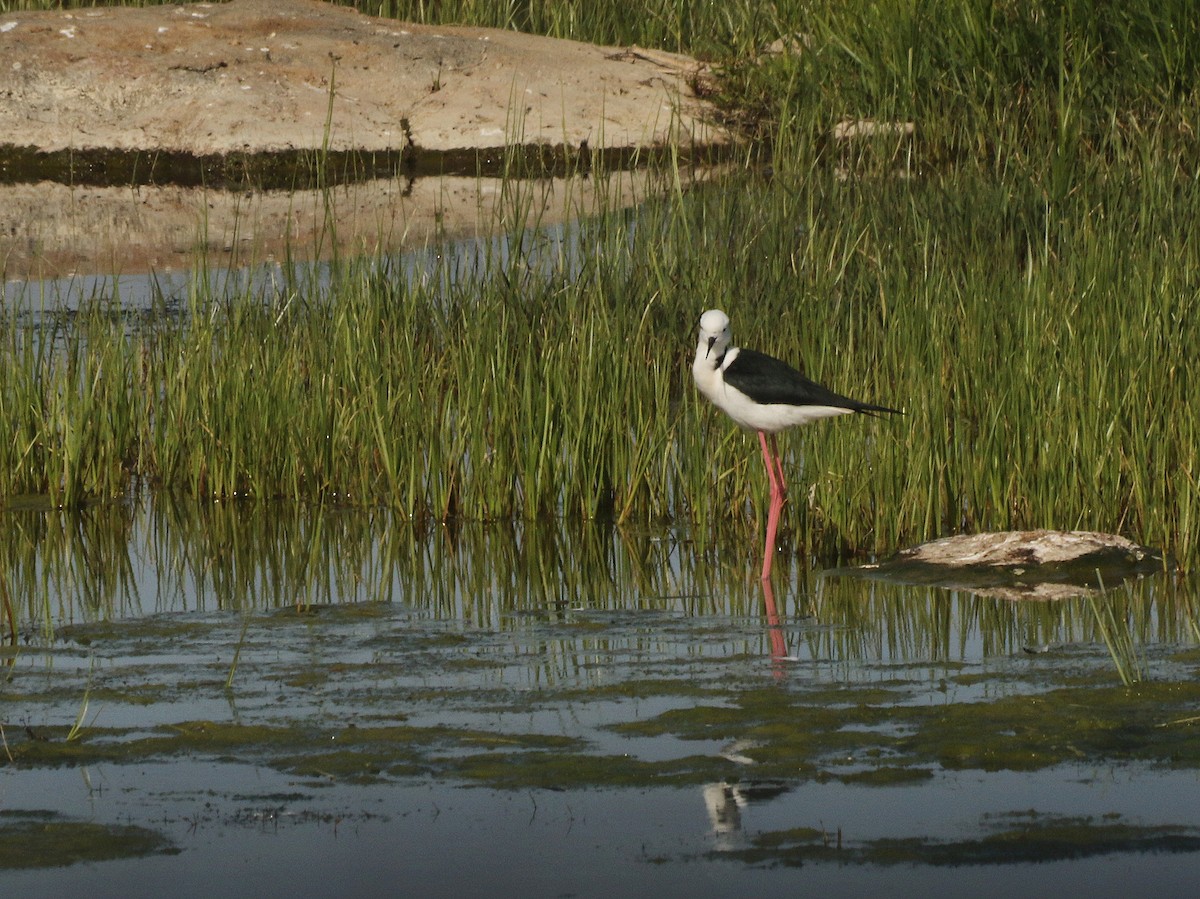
761 393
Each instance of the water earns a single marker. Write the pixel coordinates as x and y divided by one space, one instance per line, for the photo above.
546 228
60 241
280 699
329 701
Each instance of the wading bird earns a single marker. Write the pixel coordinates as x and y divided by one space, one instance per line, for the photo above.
761 393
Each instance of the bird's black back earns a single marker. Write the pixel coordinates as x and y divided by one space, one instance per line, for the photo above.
768 380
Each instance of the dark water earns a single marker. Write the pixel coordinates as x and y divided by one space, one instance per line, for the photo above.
274 699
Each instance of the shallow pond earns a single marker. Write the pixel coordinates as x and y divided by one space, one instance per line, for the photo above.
322 701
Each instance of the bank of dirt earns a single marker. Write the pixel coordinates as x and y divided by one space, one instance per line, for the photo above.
262 75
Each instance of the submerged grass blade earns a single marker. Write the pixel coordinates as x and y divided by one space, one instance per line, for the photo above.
76 730
237 650
1118 638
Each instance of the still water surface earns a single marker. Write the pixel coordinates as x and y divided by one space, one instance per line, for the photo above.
322 701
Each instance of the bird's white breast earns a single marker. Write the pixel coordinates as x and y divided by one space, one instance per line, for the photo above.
770 417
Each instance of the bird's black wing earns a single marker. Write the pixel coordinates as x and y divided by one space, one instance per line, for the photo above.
767 380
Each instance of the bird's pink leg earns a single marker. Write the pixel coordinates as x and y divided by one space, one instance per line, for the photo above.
778 467
778 490
779 650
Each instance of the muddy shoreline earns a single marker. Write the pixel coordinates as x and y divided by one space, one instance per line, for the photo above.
252 76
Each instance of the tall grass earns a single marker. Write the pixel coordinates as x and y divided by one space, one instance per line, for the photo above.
1040 359
1020 276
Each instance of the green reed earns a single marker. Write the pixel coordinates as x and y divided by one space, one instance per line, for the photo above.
1019 275
1041 387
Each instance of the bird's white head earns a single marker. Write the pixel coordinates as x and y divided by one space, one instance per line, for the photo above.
714 333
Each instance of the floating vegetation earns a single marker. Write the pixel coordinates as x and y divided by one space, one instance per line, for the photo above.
48 840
